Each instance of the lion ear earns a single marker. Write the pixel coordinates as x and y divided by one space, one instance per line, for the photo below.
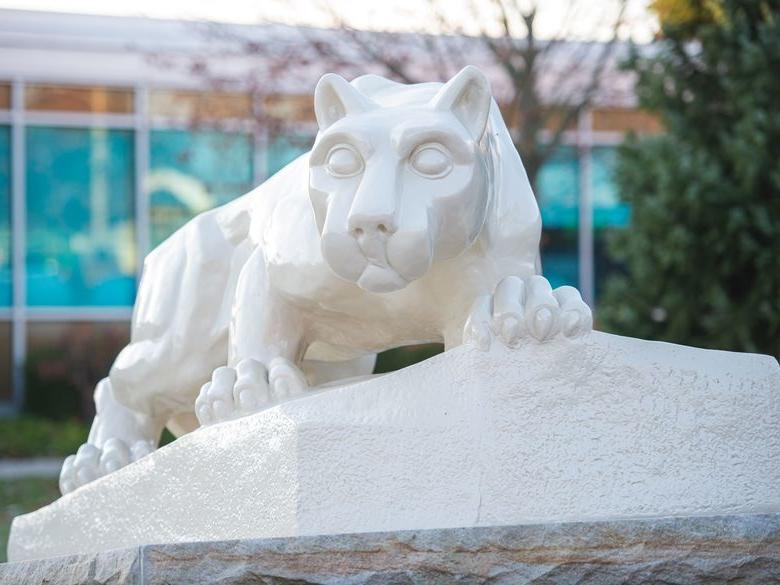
467 95
335 98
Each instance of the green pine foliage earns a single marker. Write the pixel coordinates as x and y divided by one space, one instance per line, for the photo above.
702 254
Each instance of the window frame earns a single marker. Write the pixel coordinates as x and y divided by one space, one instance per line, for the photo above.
18 118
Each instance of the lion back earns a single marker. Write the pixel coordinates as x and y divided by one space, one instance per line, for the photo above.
513 226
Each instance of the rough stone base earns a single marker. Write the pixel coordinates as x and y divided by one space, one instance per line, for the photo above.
690 550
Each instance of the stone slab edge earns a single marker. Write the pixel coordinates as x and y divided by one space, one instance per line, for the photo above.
684 550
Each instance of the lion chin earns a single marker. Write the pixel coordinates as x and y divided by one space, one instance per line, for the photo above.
381 279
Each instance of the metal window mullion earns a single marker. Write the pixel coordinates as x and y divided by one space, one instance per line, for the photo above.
226 125
585 228
56 79
80 120
142 217
18 244
259 156
60 314
259 142
607 138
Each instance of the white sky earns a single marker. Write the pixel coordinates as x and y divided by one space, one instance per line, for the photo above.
590 19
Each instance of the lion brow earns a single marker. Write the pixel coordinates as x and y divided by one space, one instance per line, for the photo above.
322 146
407 137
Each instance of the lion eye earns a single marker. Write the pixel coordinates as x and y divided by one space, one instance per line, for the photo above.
344 161
431 160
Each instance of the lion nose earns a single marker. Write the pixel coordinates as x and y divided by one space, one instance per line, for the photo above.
370 226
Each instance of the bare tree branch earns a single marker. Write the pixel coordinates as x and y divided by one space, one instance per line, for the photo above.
575 106
546 83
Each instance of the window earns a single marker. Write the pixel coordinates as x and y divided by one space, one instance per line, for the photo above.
608 212
195 106
99 100
553 118
80 231
558 192
290 108
284 150
292 128
6 291
193 171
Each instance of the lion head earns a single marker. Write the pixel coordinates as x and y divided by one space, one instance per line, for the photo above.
402 176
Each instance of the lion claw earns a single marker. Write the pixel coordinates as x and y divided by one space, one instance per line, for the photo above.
530 308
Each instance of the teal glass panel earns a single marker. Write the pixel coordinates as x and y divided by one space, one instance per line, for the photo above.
192 171
6 290
557 188
608 210
80 208
284 150
609 213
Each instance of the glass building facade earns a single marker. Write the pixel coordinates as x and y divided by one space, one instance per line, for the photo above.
92 177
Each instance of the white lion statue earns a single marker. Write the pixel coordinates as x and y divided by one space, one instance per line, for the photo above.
411 220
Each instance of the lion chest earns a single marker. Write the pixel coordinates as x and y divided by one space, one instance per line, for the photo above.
342 313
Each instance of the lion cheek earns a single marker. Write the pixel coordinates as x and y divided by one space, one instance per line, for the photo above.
410 254
343 255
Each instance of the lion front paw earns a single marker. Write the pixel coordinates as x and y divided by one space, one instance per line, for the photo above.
91 462
247 388
530 308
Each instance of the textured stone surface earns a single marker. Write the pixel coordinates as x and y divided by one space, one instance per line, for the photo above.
115 567
744 549
599 428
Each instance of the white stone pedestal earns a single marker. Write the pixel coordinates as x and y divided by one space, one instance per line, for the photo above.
601 428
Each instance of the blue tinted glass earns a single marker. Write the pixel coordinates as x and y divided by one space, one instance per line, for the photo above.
557 187
284 150
192 171
6 291
608 213
80 232
608 210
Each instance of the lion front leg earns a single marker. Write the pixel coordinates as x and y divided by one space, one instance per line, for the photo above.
527 309
265 348
118 436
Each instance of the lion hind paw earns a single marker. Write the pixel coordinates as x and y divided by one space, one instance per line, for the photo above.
92 462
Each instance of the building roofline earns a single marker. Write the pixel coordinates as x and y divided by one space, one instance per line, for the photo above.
130 49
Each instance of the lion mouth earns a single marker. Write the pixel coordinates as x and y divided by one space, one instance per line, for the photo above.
381 279
376 265
378 275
